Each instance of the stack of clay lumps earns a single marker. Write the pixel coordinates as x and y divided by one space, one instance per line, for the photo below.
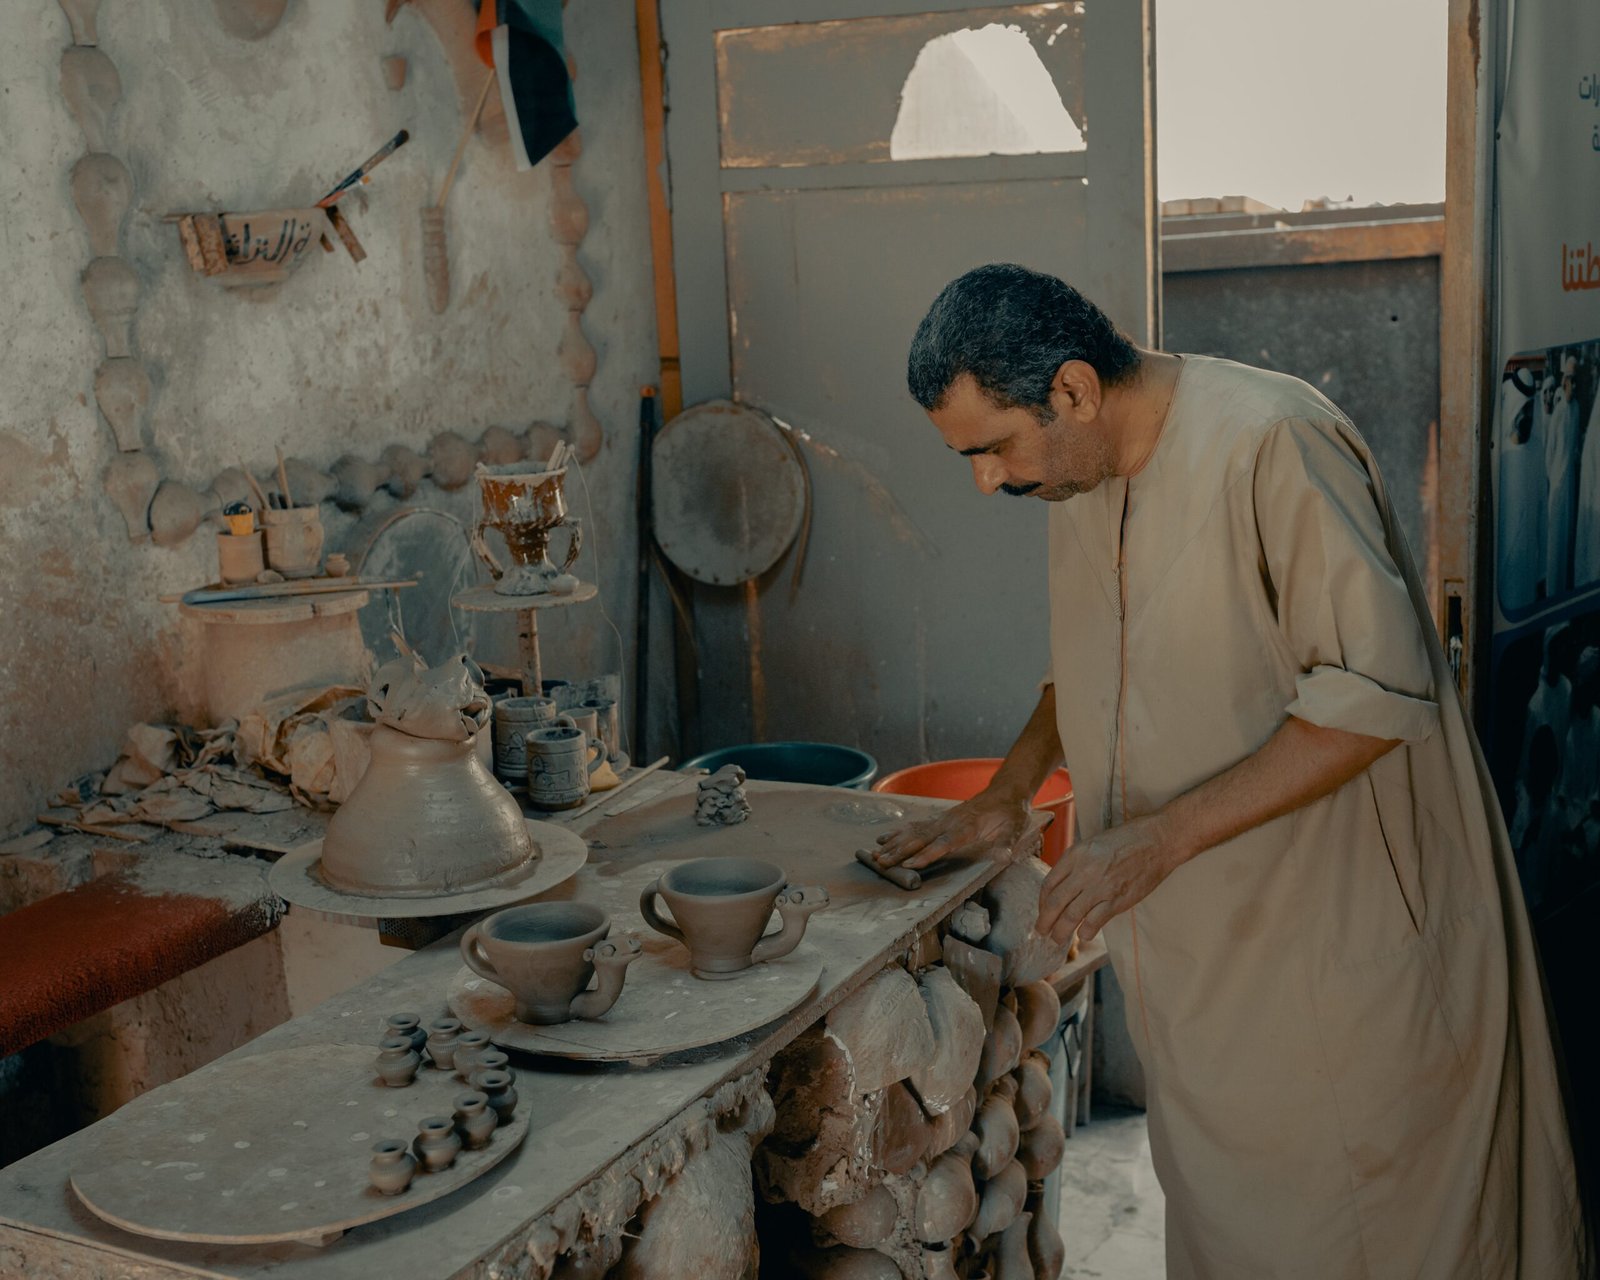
916 1126
427 817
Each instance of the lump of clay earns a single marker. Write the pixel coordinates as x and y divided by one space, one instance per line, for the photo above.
406 469
446 702
499 448
310 485
957 1024
452 459
1012 898
867 1222
92 88
721 801
102 190
130 482
883 1030
175 513
357 481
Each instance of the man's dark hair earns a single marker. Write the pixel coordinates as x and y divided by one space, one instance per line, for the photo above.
1011 329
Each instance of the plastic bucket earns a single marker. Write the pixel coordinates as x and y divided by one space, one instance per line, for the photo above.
822 764
963 779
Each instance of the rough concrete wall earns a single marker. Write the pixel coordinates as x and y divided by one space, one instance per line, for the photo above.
1365 334
340 358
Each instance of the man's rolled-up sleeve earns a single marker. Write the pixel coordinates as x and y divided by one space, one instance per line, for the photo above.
1342 604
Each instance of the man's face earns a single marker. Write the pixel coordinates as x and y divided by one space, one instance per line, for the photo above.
1050 453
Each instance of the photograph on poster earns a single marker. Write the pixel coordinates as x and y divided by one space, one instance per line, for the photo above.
1547 476
1545 754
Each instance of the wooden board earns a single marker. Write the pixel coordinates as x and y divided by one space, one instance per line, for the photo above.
294 877
274 1148
663 1009
484 599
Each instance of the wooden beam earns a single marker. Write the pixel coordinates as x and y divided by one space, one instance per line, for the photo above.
1292 246
652 85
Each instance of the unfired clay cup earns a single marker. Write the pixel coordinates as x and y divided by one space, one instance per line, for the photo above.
722 906
545 954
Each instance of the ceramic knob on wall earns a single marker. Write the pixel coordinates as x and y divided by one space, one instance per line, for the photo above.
92 88
81 16
102 190
122 391
111 289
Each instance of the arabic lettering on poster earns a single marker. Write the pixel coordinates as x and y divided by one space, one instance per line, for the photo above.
1589 91
251 246
1580 268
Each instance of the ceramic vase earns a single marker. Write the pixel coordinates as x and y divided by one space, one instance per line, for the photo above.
392 1166
526 507
499 1088
398 1062
561 760
437 1144
294 540
475 1120
469 1044
407 1025
443 1037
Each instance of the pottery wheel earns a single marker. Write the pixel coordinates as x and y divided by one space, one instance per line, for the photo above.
663 1007
275 1148
562 852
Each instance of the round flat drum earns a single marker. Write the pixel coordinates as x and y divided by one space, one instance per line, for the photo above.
729 492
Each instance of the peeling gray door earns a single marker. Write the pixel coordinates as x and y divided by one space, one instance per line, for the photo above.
806 252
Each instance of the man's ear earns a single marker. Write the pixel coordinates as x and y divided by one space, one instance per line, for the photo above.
1079 385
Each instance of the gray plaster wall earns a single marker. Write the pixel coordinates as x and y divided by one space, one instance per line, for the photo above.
340 358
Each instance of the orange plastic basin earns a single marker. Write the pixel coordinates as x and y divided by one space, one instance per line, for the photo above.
963 779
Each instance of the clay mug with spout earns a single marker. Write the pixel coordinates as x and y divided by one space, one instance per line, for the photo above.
546 953
561 759
722 906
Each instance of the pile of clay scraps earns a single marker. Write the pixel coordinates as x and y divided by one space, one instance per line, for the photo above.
722 802
307 746
446 702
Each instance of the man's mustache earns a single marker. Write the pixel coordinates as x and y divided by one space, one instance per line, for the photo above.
1019 490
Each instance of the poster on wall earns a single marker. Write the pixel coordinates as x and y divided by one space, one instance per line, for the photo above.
1544 681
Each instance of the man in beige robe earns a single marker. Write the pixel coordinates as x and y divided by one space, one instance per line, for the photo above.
1288 834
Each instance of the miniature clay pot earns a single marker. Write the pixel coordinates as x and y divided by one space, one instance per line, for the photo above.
392 1166
722 906
947 1200
294 540
561 760
443 1036
239 557
426 818
545 955
475 1120
500 1089
407 1025
490 1059
398 1062
437 1144
514 719
469 1044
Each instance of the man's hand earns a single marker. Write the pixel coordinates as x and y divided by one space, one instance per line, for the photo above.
1103 877
974 826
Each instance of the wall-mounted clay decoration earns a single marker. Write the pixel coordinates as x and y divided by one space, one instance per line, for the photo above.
1042 1147
111 290
130 482
92 88
102 190
122 391
840 1263
868 1222
499 447
947 1201
1001 1201
406 469
1033 1089
310 485
902 1133
175 513
81 15
940 1079
453 460
1011 1261
394 73
951 1127
997 1134
1038 1012
938 1262
249 19
357 481
569 220
1045 1248
231 485
1002 1050
542 439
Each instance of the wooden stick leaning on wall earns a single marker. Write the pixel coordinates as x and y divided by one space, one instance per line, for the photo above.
435 248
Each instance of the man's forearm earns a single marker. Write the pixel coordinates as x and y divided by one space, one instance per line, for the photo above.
1300 763
1034 756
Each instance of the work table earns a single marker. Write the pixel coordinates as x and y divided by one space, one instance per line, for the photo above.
591 1124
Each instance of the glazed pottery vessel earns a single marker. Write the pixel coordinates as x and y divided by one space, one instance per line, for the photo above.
526 507
608 727
407 1025
500 1088
722 906
475 1120
561 759
392 1166
443 1036
426 818
514 720
437 1143
545 955
469 1044
398 1062
294 540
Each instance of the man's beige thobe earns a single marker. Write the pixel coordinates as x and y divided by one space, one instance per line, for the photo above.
1339 1013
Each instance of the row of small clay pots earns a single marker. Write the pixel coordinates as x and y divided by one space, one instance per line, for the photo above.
168 511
